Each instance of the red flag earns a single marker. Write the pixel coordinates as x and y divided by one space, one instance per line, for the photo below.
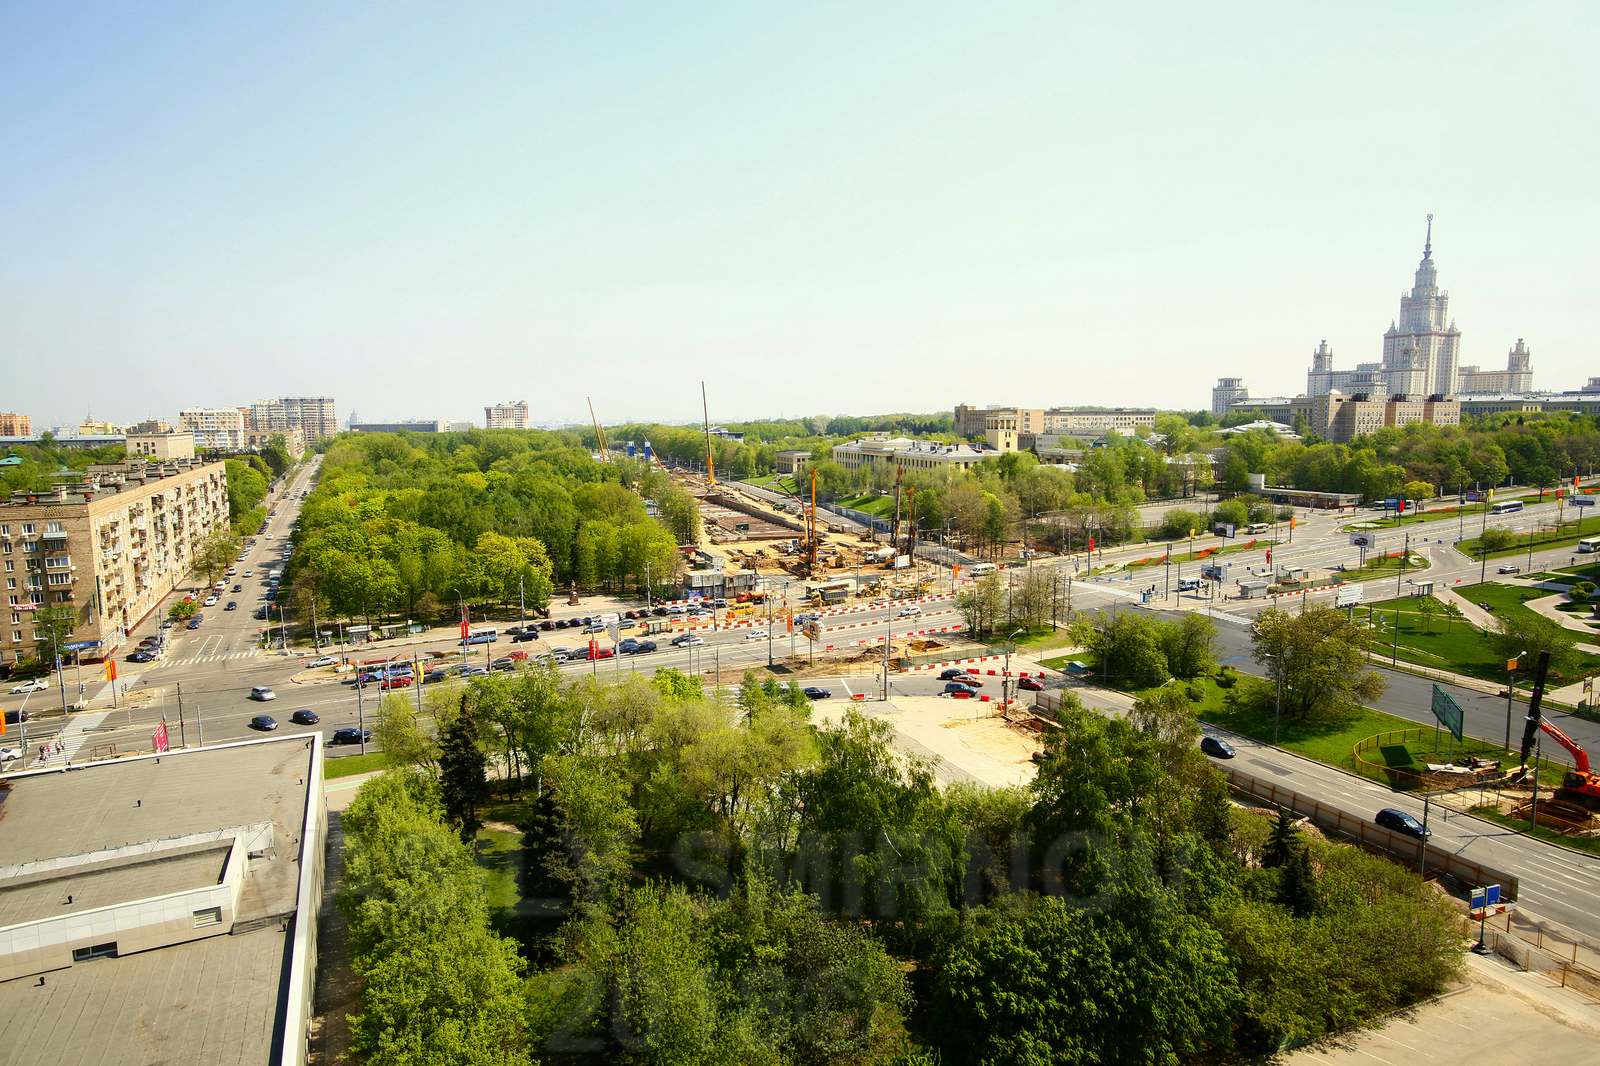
1269 555
1091 544
464 622
158 743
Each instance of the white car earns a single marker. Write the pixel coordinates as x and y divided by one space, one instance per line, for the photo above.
211 601
1511 569
910 612
247 573
7 754
269 536
326 660
232 570
756 634
38 684
262 694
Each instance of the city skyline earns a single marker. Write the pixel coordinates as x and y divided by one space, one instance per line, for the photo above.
821 211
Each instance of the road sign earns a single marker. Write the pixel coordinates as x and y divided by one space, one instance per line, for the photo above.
613 632
1582 501
1349 595
1447 711
81 645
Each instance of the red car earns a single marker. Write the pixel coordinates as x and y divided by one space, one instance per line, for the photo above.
395 682
1029 684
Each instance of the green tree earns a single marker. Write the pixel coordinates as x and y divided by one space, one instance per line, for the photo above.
463 777
1317 659
982 604
1513 632
1498 538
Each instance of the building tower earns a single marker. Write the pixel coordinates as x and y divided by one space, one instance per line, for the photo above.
1422 350
1519 369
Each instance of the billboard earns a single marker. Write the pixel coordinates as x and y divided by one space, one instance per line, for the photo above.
1223 529
1447 711
1349 595
1363 540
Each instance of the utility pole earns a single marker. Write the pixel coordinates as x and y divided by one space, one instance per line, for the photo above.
522 605
361 715
888 639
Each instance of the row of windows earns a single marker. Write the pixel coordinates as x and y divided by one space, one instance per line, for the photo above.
29 528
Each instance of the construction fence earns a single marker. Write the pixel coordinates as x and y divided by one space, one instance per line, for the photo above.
1540 947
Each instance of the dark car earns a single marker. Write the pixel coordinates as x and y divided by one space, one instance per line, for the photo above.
194 623
952 673
1030 684
1216 747
1486 605
957 688
523 638
238 588
168 623
141 657
233 605
815 693
658 611
350 736
304 718
559 623
644 647
547 625
505 662
513 630
628 645
433 676
1402 823
263 722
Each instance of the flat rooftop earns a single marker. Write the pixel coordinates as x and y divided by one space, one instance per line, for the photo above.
222 998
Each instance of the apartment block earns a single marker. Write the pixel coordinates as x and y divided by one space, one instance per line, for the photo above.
1078 421
14 425
513 415
911 454
1342 418
169 445
313 415
112 546
1275 408
216 428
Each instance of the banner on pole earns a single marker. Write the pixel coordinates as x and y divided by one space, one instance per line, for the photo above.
1447 711
158 743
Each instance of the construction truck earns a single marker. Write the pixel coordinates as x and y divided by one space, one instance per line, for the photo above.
1580 785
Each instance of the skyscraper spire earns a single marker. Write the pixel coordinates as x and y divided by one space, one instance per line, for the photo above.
1427 245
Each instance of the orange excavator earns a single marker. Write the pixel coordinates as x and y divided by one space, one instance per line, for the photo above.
1580 785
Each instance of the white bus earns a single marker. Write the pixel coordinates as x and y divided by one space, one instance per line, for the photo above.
1590 544
979 569
481 636
1255 529
1506 507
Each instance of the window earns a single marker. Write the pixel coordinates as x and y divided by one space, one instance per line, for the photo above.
53 527
96 952
16 636
11 566
16 619
58 562
209 916
63 597
27 527
5 531
60 579
30 545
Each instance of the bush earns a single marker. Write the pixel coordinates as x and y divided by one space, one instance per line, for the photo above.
1498 538
1194 694
1583 591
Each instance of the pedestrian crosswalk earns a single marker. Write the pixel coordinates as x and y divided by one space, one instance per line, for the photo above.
216 657
60 750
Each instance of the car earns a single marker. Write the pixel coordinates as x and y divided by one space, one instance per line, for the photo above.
515 653
719 602
1030 684
505 662
261 694
559 623
630 614
957 688
435 676
261 612
395 682
1510 569
659 611
7 754
246 573
952 673
676 608
910 611
474 671
233 605
350 736
644 647
1216 747
326 660
304 717
523 638
238 588
263 722
595 628
756 634
814 692
211 601
232 570
1402 823
546 626
688 640
1485 605
513 630
269 536
628 645
168 623
141 657
149 641
627 624
18 717
194 623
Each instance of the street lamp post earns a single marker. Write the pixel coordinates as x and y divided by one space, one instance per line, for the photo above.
1005 680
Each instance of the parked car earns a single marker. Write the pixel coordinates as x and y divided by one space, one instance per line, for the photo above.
247 573
350 736
1216 747
1402 823
1510 568
595 628
627 624
262 694
168 623
304 717
505 662
659 611
1030 684
326 660
546 626
688 640
719 602
627 646
952 688
433 676
194 623
814 692
676 608
263 722
141 657
474 671
211 601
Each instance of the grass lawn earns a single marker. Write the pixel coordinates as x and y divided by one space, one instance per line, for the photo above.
1041 637
1199 555
353 764
1410 519
1458 645
1491 813
1385 567
499 853
1566 537
873 504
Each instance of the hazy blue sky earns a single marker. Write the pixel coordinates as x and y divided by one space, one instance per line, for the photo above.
823 207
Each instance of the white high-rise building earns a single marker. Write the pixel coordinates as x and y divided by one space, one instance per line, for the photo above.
513 415
1422 355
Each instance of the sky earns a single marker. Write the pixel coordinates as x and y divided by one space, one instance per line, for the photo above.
818 208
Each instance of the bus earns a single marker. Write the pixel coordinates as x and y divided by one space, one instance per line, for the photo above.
979 569
1255 529
1590 544
1506 507
481 636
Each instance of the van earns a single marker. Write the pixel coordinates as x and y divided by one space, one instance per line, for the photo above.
1188 584
1255 529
